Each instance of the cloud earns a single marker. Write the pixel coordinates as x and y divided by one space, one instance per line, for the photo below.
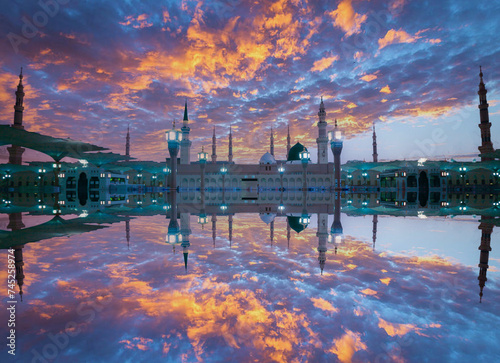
323 63
345 18
386 89
395 37
345 347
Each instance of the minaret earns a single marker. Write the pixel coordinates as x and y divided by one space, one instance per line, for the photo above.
214 227
322 235
230 221
16 224
485 125
485 248
271 151
127 143
375 154
16 152
322 139
185 232
214 148
185 143
230 156
374 230
288 146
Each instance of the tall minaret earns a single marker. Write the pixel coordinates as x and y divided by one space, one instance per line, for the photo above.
127 232
485 125
271 148
271 232
15 224
288 146
374 230
127 143
322 235
185 232
185 143
485 248
375 153
16 152
230 156
288 233
322 139
214 148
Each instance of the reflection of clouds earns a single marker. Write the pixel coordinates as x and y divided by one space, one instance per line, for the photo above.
251 302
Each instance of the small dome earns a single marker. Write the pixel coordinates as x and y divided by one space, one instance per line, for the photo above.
267 159
267 217
295 224
295 151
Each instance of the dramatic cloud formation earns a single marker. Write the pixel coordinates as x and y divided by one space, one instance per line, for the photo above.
92 68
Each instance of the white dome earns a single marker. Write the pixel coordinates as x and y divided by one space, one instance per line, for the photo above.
267 159
267 217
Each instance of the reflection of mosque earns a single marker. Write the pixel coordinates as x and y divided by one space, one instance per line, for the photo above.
297 217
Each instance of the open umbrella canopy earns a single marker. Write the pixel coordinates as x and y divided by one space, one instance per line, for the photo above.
99 159
54 147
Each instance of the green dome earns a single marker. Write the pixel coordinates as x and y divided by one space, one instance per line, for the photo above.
294 222
295 151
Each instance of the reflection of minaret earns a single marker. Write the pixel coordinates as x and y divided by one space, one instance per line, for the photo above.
15 151
127 232
230 156
185 232
214 227
271 151
271 232
15 224
485 248
214 148
127 143
288 142
485 125
374 236
288 233
322 235
375 153
230 220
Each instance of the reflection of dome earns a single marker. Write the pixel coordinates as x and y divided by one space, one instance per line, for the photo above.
295 224
267 217
295 151
267 159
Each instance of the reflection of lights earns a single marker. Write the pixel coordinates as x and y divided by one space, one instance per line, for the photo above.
153 201
349 176
444 174
173 238
84 214
421 161
56 211
365 203
421 214
281 207
445 204
41 170
223 207
223 170
349 201
304 219
281 169
364 175
202 219
166 207
139 175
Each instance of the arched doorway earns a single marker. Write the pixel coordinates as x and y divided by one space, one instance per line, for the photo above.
83 186
423 189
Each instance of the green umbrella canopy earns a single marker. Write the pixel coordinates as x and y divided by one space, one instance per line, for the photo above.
54 147
99 159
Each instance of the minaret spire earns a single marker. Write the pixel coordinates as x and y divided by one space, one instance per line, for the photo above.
230 222
214 148
214 227
272 143
15 151
485 125
127 232
185 142
374 230
288 233
322 140
271 232
230 156
127 142
375 153
485 248
288 145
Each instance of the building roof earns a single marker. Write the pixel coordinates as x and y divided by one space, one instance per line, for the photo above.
295 224
267 158
295 151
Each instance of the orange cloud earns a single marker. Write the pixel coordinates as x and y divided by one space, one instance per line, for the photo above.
345 18
324 63
395 37
369 77
386 89
345 347
393 329
369 292
324 305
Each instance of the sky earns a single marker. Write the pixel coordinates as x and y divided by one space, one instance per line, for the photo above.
94 67
257 301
